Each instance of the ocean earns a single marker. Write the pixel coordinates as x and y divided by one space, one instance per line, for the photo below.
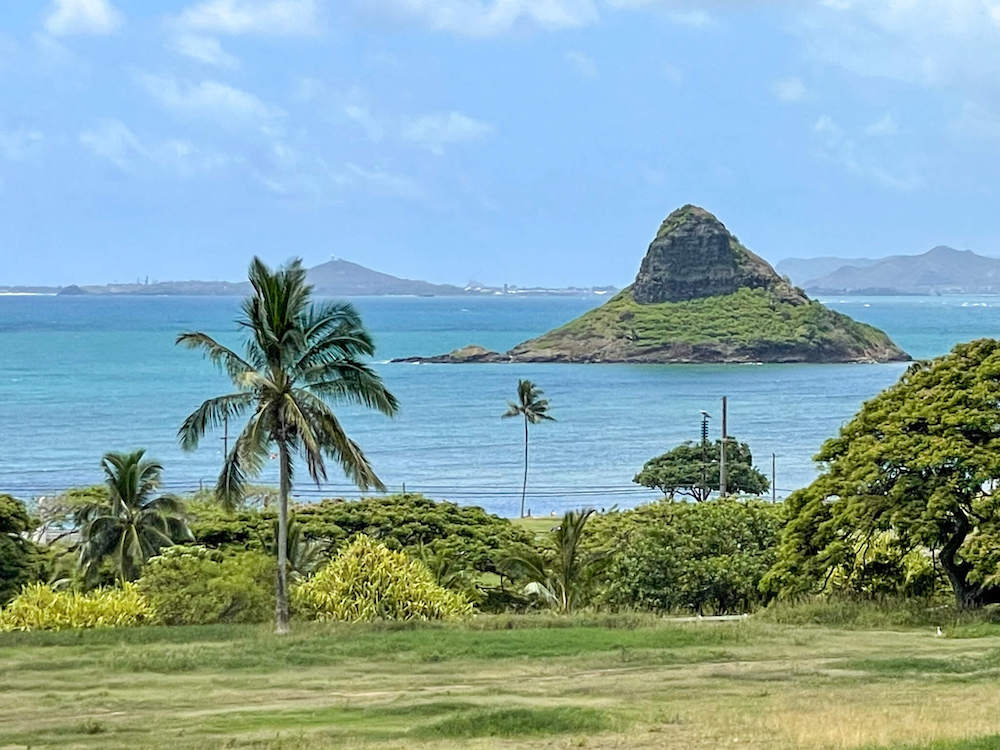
80 376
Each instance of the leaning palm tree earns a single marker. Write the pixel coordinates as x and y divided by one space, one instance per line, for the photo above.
299 358
133 524
534 409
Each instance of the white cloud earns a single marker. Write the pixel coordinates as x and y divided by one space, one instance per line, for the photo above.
928 42
789 90
208 99
838 146
487 17
114 141
978 122
583 64
436 131
204 49
383 182
884 126
82 17
695 18
267 17
19 144
361 115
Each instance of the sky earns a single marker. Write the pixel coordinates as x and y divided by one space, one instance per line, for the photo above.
517 141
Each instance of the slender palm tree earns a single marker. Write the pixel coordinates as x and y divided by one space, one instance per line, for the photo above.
534 409
559 574
133 524
299 357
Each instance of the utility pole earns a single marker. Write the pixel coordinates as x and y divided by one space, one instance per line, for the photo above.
774 479
225 436
705 416
723 472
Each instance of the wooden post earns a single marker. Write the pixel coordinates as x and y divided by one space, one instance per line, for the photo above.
774 480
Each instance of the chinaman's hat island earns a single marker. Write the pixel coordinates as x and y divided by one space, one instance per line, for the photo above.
700 296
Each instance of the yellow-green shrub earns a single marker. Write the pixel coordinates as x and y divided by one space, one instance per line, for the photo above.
367 581
38 607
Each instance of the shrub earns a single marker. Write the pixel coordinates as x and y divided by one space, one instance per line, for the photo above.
20 560
689 556
38 607
468 535
367 581
196 586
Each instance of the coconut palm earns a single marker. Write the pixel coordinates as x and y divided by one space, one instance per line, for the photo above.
534 409
300 357
133 524
559 573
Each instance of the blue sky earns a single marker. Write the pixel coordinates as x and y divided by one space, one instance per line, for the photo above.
521 141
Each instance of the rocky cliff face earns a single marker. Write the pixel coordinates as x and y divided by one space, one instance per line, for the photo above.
693 255
700 296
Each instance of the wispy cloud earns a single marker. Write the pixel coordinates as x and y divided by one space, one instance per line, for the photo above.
265 17
20 143
384 182
203 49
67 17
487 17
115 142
789 90
208 99
435 131
837 145
583 64
884 126
363 117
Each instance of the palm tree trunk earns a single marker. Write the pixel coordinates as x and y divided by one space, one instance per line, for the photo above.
524 484
281 589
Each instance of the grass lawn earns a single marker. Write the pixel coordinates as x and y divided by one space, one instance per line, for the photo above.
619 682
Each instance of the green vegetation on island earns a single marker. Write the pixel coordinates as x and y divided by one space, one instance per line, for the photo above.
701 296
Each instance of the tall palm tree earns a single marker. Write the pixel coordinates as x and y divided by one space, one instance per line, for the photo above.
559 574
534 409
299 357
133 524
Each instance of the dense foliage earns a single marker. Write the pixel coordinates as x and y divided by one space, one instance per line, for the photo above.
39 607
367 581
20 560
196 586
701 557
910 480
692 469
467 534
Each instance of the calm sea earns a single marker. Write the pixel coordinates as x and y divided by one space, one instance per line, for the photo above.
82 375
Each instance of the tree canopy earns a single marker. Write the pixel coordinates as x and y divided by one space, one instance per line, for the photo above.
692 470
916 471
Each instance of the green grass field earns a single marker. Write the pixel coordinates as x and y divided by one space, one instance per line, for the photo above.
620 682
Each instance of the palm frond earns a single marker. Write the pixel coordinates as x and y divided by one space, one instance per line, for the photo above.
221 356
212 413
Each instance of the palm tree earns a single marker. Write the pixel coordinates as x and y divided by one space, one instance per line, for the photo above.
534 409
299 357
131 525
559 574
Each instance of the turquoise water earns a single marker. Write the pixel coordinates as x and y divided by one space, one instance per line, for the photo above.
80 376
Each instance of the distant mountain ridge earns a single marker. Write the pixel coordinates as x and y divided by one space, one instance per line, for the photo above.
941 270
336 277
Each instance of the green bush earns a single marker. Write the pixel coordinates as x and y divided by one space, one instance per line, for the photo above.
39 607
196 586
21 561
468 535
367 581
678 556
